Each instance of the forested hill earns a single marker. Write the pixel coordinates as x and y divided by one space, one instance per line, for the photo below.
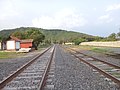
67 36
54 35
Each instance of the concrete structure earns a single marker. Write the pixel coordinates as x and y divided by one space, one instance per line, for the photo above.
107 44
13 43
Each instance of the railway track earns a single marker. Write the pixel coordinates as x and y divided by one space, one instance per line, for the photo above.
35 75
108 71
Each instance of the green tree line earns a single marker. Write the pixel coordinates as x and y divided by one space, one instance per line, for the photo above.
33 33
49 36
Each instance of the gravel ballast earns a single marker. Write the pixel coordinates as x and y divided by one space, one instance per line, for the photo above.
71 74
8 66
30 78
103 57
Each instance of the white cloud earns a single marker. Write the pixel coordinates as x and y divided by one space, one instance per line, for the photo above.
94 9
117 25
65 19
105 19
109 20
7 10
113 7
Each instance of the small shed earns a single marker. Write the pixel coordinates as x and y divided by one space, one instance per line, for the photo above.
27 43
13 43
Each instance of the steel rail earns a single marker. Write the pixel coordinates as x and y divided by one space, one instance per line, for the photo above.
98 69
42 82
19 70
118 67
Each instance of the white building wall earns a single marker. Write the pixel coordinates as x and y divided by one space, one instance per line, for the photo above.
10 45
0 45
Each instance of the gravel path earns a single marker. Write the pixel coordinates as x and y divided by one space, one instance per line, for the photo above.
71 74
8 66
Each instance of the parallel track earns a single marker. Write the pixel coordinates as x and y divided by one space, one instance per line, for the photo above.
33 72
107 69
43 82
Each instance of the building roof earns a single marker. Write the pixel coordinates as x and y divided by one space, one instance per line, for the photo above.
22 41
15 38
26 40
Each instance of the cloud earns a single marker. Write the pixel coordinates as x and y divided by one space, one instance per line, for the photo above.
117 25
94 9
7 10
113 7
105 19
65 19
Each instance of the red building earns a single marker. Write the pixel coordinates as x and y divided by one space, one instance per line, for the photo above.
27 43
14 43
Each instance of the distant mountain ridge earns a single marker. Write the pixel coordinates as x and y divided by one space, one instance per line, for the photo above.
56 35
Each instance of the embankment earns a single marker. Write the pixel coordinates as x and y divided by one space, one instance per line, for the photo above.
107 44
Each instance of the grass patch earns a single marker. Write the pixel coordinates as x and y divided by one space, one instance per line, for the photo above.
103 50
41 47
80 47
5 55
116 74
108 69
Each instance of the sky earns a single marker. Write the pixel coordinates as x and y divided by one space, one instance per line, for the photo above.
94 17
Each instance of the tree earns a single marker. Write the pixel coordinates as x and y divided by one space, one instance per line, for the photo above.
36 35
3 39
0 38
79 40
47 42
97 38
18 34
112 37
118 35
33 33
